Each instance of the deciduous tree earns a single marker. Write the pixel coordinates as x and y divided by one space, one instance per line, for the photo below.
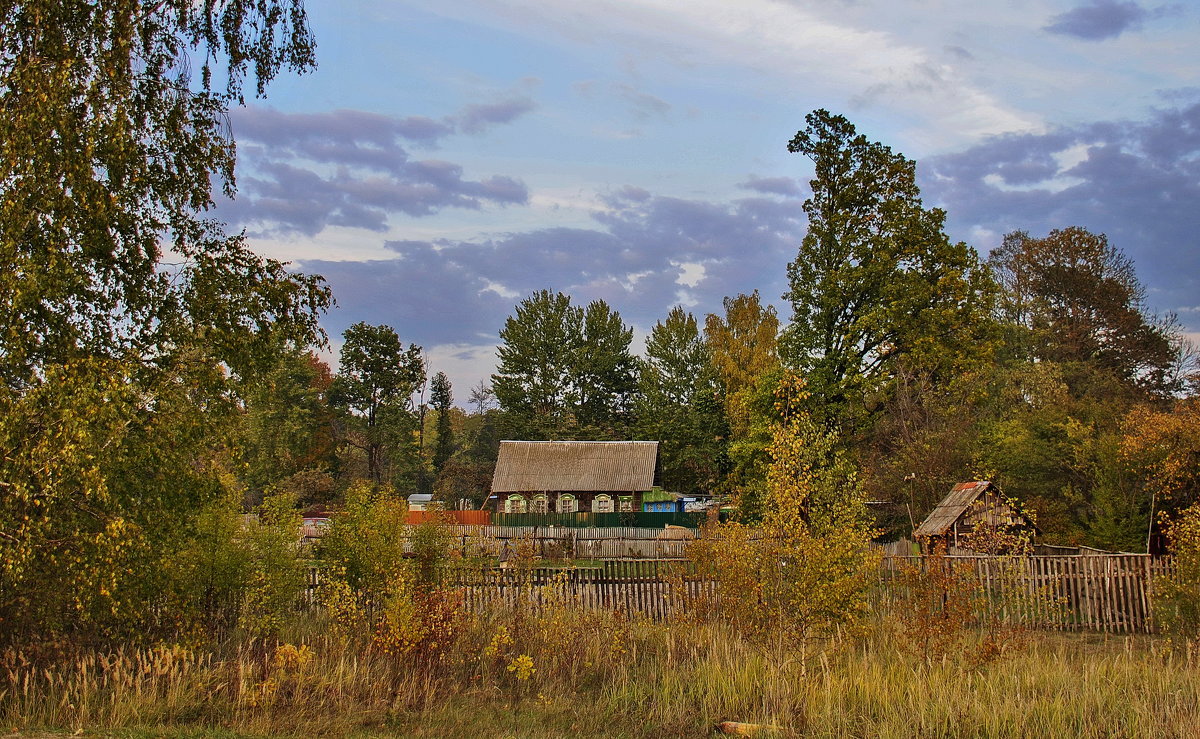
875 278
127 318
109 147
679 404
376 379
1076 300
742 345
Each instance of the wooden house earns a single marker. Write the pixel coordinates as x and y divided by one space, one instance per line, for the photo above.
573 476
966 507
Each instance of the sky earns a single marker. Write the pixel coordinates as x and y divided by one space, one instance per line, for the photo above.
446 160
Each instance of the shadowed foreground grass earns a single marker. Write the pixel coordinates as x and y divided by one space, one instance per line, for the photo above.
603 677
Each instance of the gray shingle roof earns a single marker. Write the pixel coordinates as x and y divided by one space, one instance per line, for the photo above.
613 466
952 506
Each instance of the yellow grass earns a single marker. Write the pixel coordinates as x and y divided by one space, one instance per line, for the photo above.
570 673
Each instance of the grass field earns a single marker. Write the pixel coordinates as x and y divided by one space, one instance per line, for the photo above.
600 677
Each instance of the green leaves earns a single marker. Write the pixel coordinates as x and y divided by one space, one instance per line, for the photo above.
376 379
108 149
565 369
129 323
875 277
679 404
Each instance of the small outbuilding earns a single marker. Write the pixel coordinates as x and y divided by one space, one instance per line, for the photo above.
658 500
573 476
968 505
420 501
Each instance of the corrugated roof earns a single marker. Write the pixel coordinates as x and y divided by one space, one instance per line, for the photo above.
614 466
952 506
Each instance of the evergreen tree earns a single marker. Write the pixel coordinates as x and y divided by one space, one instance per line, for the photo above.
441 400
563 370
605 372
534 380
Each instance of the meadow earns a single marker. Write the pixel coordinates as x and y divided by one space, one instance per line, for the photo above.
565 672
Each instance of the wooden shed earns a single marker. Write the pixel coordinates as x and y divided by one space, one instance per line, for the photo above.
967 506
573 476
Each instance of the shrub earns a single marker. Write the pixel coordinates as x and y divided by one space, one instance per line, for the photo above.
805 571
1177 593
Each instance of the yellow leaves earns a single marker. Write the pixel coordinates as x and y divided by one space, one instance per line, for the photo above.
291 659
1177 601
501 640
1164 446
522 667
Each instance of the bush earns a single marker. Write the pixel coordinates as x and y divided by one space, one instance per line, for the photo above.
804 572
1177 594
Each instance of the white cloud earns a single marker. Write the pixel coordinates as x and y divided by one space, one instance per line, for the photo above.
500 290
803 50
690 273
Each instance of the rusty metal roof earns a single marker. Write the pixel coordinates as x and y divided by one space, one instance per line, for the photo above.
612 466
952 506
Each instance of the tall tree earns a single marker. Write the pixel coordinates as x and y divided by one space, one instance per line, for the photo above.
743 347
565 370
605 371
376 379
679 404
441 399
875 278
534 380
120 366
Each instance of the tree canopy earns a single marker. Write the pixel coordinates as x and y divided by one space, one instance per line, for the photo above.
565 370
875 277
376 380
109 146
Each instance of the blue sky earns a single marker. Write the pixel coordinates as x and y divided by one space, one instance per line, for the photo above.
444 162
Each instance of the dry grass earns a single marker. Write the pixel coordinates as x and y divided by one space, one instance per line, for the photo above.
590 674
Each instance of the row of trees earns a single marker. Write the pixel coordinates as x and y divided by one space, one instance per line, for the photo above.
1039 367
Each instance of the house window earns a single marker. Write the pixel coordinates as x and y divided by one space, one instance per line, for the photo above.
541 504
627 504
516 504
602 504
567 504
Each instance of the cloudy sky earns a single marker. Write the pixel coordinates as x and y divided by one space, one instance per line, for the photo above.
443 163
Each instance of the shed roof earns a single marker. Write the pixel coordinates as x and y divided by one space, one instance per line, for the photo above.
952 506
614 466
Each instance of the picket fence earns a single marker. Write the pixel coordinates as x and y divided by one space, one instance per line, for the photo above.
1110 593
1105 593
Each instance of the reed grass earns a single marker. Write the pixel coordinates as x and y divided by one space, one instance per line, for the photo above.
595 674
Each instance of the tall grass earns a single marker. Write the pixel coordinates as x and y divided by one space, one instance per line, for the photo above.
564 672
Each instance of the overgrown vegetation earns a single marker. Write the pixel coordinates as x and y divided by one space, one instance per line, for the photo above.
515 674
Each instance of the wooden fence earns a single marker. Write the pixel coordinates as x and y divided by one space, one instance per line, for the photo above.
1107 593
608 542
1110 593
656 588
